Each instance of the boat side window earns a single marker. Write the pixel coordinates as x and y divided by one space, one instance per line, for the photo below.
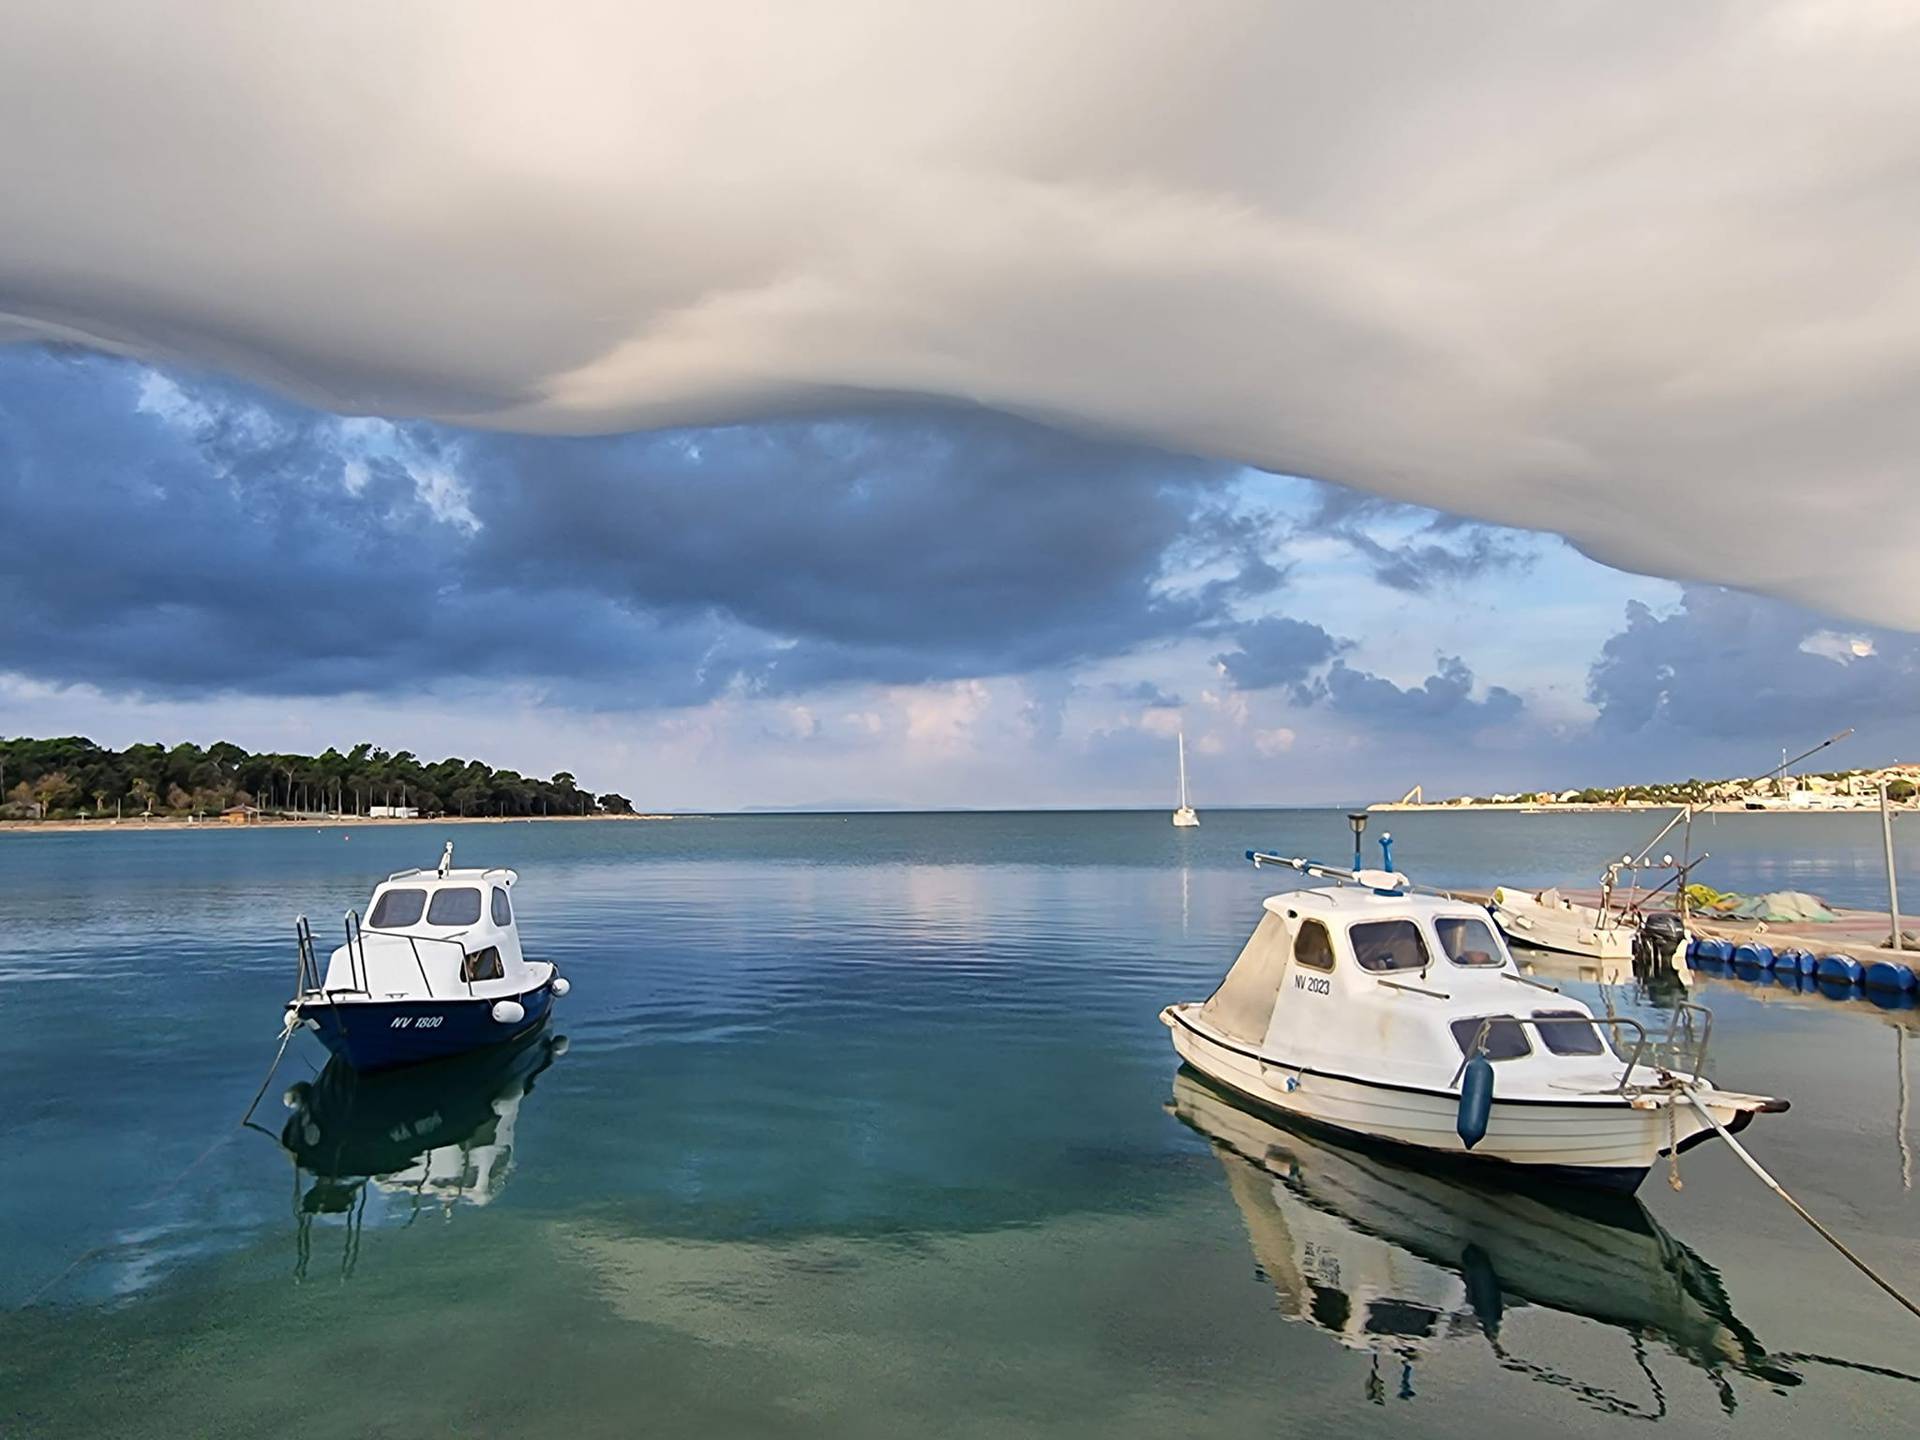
502 915
397 909
482 965
1388 945
1568 1039
454 907
1506 1037
1313 946
1468 940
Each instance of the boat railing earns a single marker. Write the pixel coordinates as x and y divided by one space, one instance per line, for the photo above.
1683 1048
312 980
1613 1022
1413 989
414 942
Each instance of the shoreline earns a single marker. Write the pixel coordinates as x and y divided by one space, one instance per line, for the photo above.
136 825
1516 807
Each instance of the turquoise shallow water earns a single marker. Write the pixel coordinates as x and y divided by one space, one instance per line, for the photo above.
864 1125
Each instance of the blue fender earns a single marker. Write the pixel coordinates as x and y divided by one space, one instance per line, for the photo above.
1476 1101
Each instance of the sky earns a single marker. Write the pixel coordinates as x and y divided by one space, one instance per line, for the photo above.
946 406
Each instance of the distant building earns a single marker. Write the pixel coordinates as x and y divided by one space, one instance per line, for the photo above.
393 812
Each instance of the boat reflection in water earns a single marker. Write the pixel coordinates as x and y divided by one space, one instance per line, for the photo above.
1645 976
1397 1260
433 1135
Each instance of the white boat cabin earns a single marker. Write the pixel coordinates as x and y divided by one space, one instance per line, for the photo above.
1398 989
436 933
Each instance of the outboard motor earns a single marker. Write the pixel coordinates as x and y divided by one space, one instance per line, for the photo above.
1660 934
1654 945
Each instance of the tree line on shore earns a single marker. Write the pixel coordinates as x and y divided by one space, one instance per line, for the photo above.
70 777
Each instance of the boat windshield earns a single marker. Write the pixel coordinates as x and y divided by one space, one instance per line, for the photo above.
1506 1038
454 907
397 909
1468 940
1568 1038
1388 945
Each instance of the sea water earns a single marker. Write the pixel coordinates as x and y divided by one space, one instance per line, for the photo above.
864 1125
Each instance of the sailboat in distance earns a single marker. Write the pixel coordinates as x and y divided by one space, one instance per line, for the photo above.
1184 818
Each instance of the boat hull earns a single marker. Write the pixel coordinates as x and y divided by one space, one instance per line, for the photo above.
1603 1142
382 1034
1566 930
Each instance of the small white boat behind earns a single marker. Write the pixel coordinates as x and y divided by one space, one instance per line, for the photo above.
1366 1007
1547 920
1184 818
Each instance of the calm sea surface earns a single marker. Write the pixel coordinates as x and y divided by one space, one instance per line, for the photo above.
864 1125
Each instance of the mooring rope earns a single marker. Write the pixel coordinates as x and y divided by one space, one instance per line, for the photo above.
173 1184
1774 1185
286 1034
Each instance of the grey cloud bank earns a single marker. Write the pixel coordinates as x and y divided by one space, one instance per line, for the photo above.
181 540
1644 277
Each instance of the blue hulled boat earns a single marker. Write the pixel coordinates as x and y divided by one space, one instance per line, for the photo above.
435 970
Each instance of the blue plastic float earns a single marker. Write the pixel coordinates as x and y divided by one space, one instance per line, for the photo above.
1794 962
1712 953
1838 969
1887 975
1752 953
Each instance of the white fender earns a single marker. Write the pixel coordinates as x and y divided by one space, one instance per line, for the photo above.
560 985
509 1012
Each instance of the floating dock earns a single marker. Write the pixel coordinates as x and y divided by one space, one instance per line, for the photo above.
1854 937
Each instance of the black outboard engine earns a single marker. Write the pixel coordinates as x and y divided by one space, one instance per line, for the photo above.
1660 935
1654 944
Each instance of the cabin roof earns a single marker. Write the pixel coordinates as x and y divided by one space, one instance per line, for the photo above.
495 875
1352 901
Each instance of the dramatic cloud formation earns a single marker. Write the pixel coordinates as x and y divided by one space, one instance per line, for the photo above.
1731 665
1277 650
181 540
1280 652
1643 277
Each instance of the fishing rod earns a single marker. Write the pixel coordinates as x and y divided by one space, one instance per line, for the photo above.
1397 883
1786 765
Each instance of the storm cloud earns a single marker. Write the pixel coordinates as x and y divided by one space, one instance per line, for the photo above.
1736 666
201 537
1640 276
1308 662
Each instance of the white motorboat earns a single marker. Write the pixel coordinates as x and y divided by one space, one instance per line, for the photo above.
1362 1005
1609 931
435 970
1401 1259
1184 818
1548 920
